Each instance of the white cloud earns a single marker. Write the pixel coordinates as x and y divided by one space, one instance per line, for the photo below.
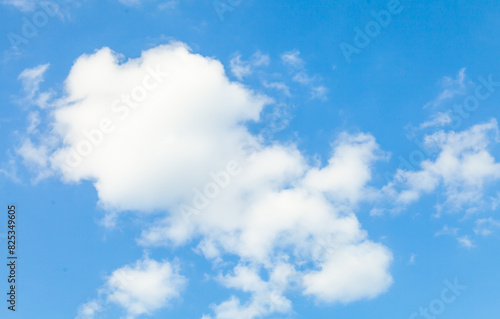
463 167
23 5
36 157
48 8
241 69
140 289
280 207
144 287
260 59
185 146
465 242
9 169
412 259
302 78
447 231
292 58
280 86
451 89
169 5
33 155
267 296
34 121
130 3
348 170
437 120
201 129
319 92
351 273
495 201
89 310
486 226
31 79
301 75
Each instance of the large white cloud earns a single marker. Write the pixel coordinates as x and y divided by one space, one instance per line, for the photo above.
167 132
174 118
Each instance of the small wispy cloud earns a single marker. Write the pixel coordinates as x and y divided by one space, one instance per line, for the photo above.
292 58
31 80
447 231
23 5
89 310
9 169
437 120
412 260
486 226
319 92
241 68
52 8
452 87
466 242
169 5
130 3
280 86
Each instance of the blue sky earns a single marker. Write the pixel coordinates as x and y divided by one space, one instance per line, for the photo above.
245 159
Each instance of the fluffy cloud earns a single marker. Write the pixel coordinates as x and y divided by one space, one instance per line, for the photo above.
144 287
280 86
178 118
463 167
348 170
267 296
351 272
167 132
141 288
280 213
